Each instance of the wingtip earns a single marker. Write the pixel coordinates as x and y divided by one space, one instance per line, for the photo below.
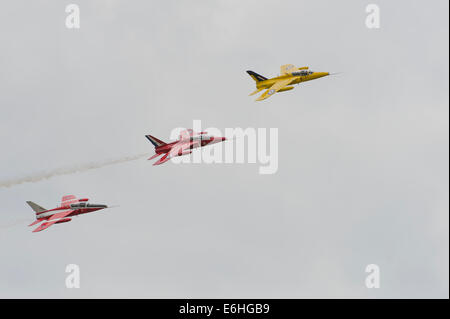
38 229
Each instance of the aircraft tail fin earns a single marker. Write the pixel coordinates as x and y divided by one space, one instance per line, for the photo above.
36 207
255 76
156 142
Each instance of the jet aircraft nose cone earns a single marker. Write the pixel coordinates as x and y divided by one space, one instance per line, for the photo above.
320 74
99 206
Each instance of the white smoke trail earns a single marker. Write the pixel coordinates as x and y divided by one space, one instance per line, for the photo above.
16 222
65 171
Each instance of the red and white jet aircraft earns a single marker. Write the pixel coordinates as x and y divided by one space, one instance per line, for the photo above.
187 142
70 206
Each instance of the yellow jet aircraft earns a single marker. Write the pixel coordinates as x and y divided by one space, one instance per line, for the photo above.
289 75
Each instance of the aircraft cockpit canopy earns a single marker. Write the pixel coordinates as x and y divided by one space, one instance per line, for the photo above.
202 137
302 73
79 205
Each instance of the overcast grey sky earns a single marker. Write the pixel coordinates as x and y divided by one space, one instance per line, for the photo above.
363 156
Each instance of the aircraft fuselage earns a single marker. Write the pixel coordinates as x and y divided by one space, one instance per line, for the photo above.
297 77
195 142
77 210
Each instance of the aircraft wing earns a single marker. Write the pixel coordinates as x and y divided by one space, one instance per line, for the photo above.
53 220
44 226
61 215
176 149
287 68
189 133
154 156
162 160
69 199
274 89
181 148
37 221
186 134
